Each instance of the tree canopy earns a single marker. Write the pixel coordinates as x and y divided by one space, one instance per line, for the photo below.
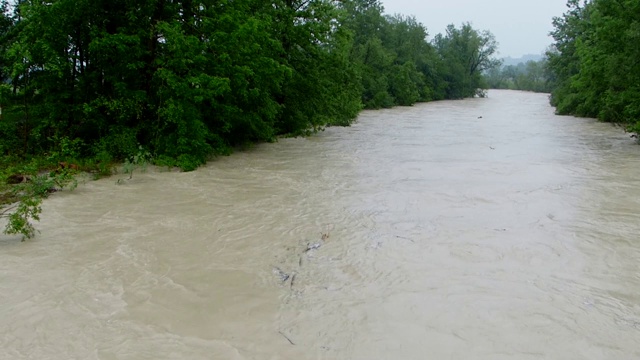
594 61
466 54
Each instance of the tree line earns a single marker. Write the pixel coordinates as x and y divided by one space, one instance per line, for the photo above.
183 80
529 76
594 61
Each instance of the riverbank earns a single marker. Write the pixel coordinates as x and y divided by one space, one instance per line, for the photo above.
56 172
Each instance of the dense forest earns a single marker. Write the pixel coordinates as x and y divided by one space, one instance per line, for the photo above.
183 80
595 61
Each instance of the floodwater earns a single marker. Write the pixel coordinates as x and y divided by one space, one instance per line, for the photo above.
422 232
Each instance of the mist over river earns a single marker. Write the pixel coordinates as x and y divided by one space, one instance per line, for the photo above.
473 229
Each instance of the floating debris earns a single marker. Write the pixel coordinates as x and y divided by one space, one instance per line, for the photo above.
293 278
286 337
313 246
405 238
283 275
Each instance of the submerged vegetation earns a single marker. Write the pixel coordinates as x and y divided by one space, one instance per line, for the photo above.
176 82
22 192
594 62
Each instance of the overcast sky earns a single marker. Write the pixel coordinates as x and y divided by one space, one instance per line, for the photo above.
521 27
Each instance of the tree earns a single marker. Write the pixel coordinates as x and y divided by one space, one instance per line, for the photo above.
321 87
465 54
593 61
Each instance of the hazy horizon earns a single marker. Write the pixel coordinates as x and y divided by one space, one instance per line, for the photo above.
520 27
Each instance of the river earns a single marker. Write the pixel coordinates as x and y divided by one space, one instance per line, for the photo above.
472 229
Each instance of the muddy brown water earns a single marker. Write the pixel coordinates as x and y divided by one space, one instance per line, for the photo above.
446 236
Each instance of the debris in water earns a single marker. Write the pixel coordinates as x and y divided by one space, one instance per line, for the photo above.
405 238
293 278
313 246
283 276
286 337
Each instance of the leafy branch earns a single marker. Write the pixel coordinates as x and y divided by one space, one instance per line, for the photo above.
140 160
28 195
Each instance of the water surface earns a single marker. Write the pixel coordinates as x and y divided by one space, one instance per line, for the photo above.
474 229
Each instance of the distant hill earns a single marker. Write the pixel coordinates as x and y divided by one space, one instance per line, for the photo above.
523 59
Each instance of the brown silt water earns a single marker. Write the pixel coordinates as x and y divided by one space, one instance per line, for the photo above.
473 229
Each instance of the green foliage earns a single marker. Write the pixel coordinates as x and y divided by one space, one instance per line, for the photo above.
465 54
188 162
404 84
398 66
65 149
24 203
593 62
102 163
139 160
20 220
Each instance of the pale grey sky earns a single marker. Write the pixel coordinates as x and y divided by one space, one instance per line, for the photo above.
521 27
